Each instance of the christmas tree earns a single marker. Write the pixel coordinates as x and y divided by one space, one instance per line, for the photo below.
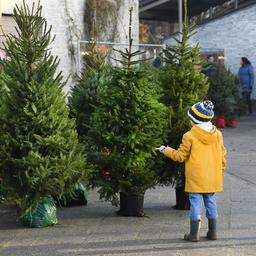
1 93
126 127
39 150
183 85
225 92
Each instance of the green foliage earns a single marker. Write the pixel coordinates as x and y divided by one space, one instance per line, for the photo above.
225 92
2 91
76 197
126 127
83 97
93 60
2 84
183 85
39 151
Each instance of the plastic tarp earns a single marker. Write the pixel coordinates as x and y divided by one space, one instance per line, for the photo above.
43 214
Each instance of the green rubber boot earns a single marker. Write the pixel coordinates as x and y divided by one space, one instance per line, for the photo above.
193 236
212 233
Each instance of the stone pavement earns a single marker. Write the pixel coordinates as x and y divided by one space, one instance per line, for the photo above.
97 230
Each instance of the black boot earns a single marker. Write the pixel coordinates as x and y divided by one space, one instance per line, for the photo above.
212 233
193 236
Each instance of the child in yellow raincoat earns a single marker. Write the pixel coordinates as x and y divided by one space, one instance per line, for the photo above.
202 149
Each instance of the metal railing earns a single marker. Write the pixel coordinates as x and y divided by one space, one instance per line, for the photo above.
151 51
221 10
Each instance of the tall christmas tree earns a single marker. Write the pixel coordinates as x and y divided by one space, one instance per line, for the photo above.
126 127
1 93
39 150
183 85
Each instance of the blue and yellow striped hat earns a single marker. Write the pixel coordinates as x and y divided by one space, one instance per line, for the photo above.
201 112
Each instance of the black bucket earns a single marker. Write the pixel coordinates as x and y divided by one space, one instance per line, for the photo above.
131 205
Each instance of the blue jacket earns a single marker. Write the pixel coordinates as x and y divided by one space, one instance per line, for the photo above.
246 77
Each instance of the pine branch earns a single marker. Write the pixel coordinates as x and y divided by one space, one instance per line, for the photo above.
127 54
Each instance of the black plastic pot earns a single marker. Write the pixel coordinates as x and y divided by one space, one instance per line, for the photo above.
131 205
182 199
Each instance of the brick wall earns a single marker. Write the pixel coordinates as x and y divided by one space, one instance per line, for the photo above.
235 33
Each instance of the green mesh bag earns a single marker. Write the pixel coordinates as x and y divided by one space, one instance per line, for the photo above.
77 197
42 215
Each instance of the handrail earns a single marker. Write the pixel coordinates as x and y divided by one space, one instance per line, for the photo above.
221 11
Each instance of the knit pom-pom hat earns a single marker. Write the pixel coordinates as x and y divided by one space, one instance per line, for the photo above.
201 112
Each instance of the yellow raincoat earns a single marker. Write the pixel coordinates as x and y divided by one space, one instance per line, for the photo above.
204 156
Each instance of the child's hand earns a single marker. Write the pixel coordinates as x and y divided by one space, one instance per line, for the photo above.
161 148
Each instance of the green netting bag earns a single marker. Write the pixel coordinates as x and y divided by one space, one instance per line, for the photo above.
77 197
42 215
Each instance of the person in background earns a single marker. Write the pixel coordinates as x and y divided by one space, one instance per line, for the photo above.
157 62
246 77
203 151
209 68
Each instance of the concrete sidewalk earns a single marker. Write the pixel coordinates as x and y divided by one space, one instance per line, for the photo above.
96 230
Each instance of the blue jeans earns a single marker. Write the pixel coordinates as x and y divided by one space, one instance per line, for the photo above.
196 205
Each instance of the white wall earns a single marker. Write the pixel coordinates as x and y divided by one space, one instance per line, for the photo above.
8 5
59 14
235 33
123 22
60 17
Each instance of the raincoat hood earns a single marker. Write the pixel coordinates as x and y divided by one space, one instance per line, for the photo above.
204 136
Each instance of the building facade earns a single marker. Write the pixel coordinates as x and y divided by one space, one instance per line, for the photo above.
68 21
233 34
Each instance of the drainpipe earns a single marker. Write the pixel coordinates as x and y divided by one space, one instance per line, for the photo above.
236 4
180 17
